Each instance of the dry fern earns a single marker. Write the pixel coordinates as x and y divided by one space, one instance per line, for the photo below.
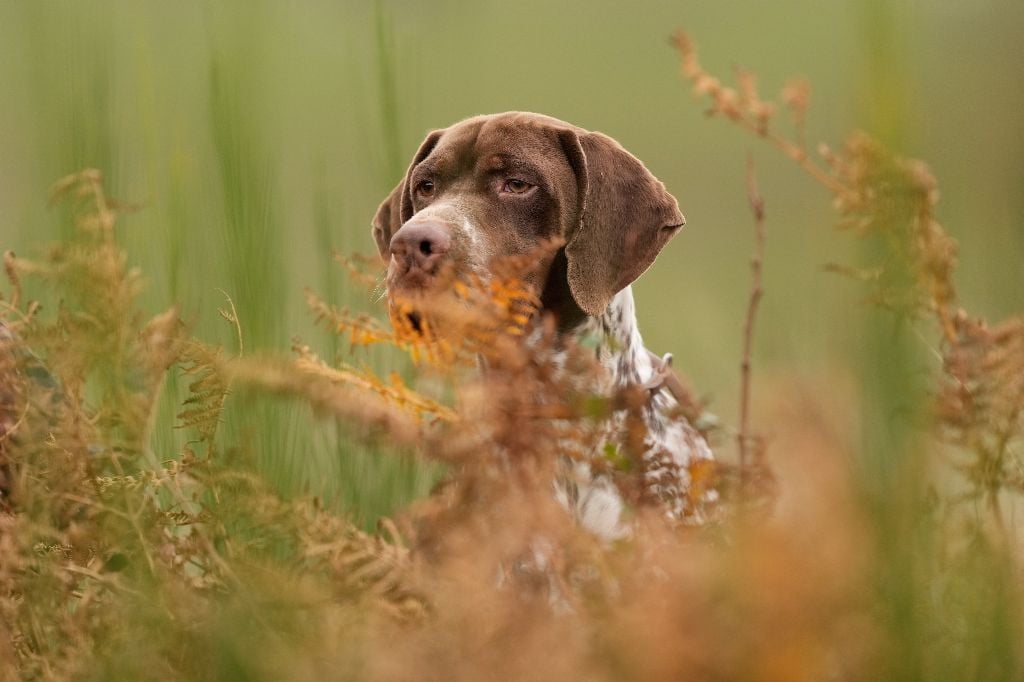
979 397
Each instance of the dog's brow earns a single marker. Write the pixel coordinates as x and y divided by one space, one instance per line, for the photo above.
426 168
494 162
506 162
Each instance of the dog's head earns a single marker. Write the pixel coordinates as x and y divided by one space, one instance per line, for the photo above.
499 185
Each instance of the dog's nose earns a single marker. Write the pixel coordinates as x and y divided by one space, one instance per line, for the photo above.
421 244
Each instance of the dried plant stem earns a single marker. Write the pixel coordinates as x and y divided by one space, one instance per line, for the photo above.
795 152
744 437
10 267
232 317
748 111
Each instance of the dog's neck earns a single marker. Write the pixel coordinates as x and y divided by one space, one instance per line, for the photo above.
557 300
671 445
614 334
620 348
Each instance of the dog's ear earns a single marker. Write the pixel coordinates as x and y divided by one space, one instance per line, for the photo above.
388 219
624 218
397 207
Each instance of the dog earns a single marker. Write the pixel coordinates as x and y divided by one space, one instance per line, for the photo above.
498 186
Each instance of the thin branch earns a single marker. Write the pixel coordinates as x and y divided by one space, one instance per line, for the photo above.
744 437
103 579
795 152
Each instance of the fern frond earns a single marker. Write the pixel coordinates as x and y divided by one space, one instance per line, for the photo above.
394 392
208 391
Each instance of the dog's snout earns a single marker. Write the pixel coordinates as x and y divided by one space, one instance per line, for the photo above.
421 244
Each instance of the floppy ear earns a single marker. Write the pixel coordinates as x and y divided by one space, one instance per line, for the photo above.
397 207
625 217
388 219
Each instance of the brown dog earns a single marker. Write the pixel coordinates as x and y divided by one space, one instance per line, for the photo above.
499 185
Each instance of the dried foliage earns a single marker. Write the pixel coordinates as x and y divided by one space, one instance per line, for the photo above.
120 561
103 535
979 395
980 404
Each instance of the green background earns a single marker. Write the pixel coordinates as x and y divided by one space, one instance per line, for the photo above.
259 136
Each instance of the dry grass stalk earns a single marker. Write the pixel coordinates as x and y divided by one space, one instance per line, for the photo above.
744 438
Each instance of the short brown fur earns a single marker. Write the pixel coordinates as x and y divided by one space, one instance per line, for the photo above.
612 213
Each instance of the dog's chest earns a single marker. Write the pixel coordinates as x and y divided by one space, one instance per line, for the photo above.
670 446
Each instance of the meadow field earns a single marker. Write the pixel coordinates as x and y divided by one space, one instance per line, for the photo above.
215 475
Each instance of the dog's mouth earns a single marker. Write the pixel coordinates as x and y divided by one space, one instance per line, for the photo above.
418 299
415 321
410 315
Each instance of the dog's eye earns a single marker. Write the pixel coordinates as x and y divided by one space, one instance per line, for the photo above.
516 186
425 188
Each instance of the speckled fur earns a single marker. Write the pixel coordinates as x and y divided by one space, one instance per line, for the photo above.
672 444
